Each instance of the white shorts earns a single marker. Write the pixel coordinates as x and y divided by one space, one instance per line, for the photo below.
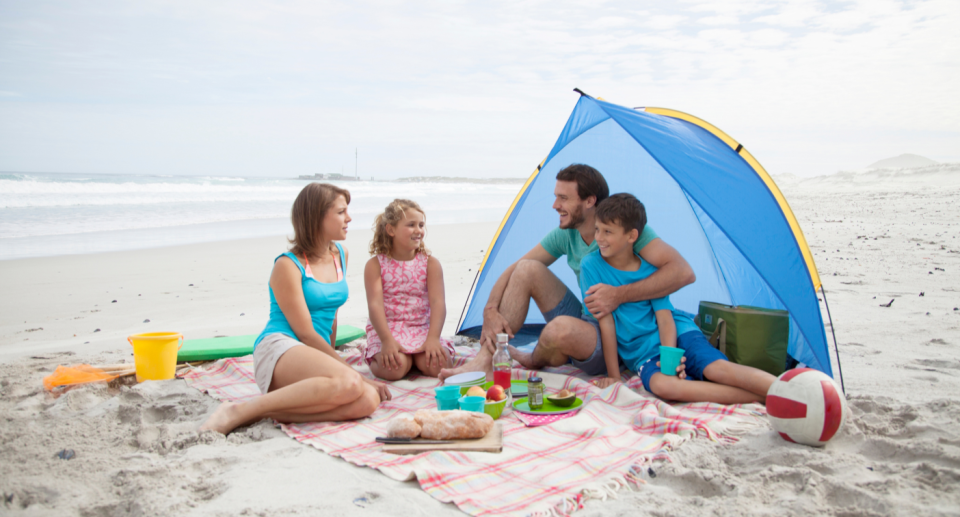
265 357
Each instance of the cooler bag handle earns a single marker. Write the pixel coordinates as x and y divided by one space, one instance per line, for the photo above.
719 337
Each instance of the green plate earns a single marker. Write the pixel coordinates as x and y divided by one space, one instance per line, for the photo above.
236 346
518 388
521 406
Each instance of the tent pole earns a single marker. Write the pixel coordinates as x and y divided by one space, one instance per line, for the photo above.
832 331
469 297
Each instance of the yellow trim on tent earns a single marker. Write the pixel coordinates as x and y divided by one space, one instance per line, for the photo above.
513 205
782 201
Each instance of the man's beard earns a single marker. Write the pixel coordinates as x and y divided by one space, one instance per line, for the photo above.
576 219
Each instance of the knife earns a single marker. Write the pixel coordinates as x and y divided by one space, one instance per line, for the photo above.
409 441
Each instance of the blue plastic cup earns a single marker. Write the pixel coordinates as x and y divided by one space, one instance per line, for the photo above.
447 397
670 359
447 404
447 392
474 404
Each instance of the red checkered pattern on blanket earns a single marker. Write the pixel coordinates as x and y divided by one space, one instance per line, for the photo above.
542 469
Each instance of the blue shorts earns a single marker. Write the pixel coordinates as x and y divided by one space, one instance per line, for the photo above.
696 349
571 306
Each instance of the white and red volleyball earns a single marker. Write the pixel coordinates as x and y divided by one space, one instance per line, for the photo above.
805 406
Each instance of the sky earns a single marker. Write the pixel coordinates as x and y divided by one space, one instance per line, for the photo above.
452 88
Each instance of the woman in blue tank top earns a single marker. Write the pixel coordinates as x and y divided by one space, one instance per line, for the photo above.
301 376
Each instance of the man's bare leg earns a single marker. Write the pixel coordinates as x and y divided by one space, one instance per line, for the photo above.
530 279
561 339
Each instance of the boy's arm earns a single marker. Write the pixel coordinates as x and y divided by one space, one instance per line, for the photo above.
667 328
668 337
608 342
673 272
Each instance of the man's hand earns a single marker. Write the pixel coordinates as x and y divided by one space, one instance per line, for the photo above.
493 323
382 390
681 370
602 299
390 354
433 350
605 382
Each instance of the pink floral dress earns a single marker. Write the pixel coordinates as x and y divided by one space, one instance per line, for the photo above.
406 304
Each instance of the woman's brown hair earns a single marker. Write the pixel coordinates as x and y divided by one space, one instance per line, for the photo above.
392 215
307 215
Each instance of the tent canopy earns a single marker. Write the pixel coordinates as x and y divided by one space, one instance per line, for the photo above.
705 195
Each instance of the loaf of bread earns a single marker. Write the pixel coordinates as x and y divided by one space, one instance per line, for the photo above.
403 426
452 425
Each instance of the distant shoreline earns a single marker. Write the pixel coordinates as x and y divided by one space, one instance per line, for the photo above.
418 179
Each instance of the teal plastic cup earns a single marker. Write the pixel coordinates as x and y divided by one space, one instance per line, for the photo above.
670 359
474 404
447 392
447 397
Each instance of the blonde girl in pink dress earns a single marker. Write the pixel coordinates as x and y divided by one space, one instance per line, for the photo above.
404 297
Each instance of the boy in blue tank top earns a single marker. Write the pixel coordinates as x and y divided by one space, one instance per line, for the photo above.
632 335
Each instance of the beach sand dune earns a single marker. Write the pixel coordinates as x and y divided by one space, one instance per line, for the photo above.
137 451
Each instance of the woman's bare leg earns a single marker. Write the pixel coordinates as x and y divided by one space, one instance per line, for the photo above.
304 380
379 369
364 405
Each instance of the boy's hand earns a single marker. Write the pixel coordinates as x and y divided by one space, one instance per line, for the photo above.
682 369
605 382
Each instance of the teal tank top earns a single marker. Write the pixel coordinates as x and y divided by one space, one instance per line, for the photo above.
322 299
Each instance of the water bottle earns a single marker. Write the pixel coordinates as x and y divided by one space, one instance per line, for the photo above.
501 363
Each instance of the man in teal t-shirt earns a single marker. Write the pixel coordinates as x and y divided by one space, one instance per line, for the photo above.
567 337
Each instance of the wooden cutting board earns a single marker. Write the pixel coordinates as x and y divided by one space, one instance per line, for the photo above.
492 442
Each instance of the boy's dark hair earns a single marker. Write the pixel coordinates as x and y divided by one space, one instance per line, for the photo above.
589 181
623 210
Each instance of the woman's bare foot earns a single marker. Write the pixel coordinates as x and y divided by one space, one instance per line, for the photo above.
224 419
483 362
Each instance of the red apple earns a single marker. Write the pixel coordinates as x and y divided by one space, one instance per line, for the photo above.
496 393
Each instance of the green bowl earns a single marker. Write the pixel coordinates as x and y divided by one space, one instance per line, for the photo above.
495 409
563 402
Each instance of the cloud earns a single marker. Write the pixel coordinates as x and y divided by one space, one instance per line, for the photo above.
459 73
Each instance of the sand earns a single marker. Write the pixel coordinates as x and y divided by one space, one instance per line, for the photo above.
890 236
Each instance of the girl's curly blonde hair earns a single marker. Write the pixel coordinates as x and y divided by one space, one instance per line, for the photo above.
393 215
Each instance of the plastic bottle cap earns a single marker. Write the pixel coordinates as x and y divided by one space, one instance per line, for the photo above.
503 337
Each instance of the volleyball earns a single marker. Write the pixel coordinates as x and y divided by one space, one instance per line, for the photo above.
806 406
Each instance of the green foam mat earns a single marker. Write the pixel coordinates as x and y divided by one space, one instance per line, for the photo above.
236 346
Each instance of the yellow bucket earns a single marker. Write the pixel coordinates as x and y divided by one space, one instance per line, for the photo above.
155 354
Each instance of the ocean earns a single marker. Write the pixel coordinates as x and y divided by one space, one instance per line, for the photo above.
61 214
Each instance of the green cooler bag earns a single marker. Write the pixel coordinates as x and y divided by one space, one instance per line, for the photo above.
752 336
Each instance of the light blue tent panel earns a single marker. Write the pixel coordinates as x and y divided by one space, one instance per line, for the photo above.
701 197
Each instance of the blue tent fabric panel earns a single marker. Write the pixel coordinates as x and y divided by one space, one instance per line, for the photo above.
732 193
701 197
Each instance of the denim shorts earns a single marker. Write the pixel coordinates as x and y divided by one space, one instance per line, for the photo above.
571 306
696 349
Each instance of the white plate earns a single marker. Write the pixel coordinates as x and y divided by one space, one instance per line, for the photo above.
466 379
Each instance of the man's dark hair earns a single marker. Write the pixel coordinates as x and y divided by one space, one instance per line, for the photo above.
623 210
589 181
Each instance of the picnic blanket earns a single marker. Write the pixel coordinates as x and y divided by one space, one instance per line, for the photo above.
545 470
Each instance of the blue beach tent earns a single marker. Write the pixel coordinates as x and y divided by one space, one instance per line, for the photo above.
705 195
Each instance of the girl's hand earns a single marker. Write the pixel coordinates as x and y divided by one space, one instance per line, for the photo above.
381 388
605 382
681 370
390 354
433 350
